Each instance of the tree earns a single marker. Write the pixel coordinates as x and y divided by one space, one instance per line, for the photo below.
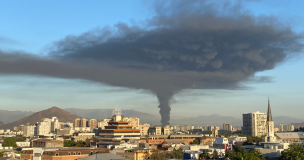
147 138
87 143
195 142
214 154
205 154
178 154
239 153
294 152
80 143
1 154
9 142
156 155
69 143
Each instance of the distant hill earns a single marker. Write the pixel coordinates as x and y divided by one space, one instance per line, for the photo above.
286 120
298 125
61 114
12 116
1 123
204 120
107 113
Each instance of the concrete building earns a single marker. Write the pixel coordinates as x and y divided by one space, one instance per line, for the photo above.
289 136
46 143
29 130
44 126
55 124
290 128
227 127
166 130
82 136
144 128
77 123
133 121
254 124
84 122
103 123
117 132
280 128
93 123
155 130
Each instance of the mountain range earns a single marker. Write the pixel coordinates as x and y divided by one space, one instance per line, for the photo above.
16 118
61 114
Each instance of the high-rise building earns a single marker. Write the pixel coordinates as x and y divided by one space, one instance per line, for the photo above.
290 127
280 128
84 122
93 123
55 124
227 127
254 124
44 126
209 128
76 123
29 130
270 125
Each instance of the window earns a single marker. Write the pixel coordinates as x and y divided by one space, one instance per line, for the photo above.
74 153
57 154
69 153
91 153
79 153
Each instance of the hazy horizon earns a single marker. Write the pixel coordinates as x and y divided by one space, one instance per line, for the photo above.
32 28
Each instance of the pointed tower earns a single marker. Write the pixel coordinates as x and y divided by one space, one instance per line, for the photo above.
270 125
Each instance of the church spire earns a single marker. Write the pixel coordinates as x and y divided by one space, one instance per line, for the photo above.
269 116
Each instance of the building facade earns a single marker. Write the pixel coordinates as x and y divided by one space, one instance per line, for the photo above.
117 132
227 127
254 124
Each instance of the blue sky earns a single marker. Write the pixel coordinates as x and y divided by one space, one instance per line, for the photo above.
32 26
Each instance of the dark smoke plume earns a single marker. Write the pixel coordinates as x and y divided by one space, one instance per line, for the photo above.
184 46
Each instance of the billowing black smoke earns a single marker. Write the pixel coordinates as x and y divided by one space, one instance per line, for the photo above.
184 46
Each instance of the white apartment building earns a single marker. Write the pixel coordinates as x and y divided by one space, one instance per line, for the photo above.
29 130
103 123
44 126
290 127
254 124
227 127
133 121
280 127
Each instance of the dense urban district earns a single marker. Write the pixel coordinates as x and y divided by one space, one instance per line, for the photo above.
125 138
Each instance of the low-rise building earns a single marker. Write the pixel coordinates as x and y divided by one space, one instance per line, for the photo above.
46 143
82 136
289 136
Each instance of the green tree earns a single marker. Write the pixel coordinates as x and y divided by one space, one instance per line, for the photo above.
9 142
69 143
294 152
87 143
195 142
205 154
214 154
239 153
80 144
147 138
1 154
156 155
178 154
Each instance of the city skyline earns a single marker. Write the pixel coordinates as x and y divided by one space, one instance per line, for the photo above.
283 84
